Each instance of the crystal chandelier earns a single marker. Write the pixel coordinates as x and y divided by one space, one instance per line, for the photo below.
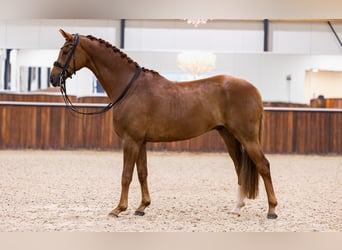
196 62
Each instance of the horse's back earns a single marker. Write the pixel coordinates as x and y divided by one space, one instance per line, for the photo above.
226 83
230 91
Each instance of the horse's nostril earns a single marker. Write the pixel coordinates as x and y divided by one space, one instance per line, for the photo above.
53 80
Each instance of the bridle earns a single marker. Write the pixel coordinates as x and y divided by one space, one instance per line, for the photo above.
71 55
64 74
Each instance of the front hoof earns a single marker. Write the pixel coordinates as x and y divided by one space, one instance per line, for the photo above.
139 213
272 216
113 214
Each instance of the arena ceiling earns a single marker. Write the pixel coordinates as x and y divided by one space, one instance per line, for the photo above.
172 9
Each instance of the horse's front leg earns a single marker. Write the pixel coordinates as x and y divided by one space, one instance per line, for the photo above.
142 174
131 151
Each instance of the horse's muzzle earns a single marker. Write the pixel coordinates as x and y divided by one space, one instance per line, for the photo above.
55 80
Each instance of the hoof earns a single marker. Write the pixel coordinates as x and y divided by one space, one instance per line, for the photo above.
272 216
111 214
139 213
234 213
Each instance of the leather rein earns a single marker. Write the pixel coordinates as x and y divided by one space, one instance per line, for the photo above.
65 74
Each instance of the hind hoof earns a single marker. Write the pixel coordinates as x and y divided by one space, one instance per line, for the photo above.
139 213
272 216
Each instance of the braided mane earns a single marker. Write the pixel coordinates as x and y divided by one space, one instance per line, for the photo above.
122 54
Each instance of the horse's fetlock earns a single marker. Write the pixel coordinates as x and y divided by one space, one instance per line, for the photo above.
122 208
147 203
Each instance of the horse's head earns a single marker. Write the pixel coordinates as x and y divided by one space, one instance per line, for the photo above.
70 59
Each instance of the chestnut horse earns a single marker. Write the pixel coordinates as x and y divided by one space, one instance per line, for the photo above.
149 108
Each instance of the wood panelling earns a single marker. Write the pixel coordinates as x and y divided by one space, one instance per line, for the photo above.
93 99
53 126
303 131
333 103
326 103
33 97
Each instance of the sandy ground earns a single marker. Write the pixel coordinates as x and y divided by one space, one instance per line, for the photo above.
75 190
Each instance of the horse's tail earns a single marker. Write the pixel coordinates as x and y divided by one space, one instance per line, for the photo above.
249 176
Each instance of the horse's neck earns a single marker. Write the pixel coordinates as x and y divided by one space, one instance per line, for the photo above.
112 71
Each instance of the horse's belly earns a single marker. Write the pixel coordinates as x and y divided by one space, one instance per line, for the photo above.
178 130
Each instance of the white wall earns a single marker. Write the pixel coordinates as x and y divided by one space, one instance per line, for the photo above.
305 37
234 36
243 36
37 43
2 67
321 82
43 34
267 71
178 35
295 47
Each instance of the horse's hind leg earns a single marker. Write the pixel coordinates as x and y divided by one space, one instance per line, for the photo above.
254 151
131 151
235 152
142 174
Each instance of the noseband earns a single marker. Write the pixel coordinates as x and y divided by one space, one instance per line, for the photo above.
65 74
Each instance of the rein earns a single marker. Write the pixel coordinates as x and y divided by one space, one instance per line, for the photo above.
105 109
65 74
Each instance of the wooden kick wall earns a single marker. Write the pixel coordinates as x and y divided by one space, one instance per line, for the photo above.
42 125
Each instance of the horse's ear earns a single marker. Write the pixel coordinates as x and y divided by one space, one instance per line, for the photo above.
66 35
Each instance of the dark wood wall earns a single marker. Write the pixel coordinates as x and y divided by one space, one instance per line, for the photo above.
303 131
41 125
326 103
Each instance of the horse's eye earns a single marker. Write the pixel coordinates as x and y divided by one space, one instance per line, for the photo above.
65 52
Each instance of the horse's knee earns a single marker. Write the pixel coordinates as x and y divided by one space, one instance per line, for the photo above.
142 176
126 180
